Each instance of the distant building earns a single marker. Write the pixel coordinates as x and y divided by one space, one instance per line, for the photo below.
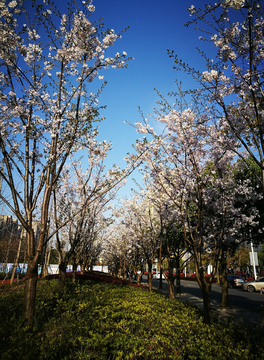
10 233
9 227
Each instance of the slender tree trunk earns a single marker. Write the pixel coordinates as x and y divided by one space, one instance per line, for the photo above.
82 269
30 292
160 263
171 288
160 279
170 279
225 298
7 252
178 284
134 273
31 276
43 261
46 262
206 291
124 273
16 262
62 275
150 285
217 278
74 270
171 284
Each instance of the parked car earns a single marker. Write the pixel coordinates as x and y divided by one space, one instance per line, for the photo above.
255 285
157 276
234 281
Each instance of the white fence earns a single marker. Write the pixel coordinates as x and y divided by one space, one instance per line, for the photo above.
52 268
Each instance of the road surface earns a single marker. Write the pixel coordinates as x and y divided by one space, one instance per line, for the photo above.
247 306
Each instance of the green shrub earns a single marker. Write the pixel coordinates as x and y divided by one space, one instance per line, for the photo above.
104 321
4 276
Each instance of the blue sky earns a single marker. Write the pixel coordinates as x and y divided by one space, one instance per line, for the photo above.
154 27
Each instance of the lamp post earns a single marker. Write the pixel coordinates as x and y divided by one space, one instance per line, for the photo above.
253 260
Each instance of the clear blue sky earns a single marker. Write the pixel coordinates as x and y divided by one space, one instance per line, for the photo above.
154 27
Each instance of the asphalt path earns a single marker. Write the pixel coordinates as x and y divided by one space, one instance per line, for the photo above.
237 297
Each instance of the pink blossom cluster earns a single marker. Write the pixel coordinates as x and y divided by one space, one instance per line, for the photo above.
193 168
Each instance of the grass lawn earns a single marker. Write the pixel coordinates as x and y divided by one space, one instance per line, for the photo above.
95 320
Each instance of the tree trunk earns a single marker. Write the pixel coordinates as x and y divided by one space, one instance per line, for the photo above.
31 277
217 278
74 270
16 262
206 291
30 293
178 283
170 279
150 285
171 288
7 254
160 280
124 277
82 269
62 275
225 298
46 262
178 273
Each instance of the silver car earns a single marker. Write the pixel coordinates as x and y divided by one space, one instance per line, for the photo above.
157 276
252 286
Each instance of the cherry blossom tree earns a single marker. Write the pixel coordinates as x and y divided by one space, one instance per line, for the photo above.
79 203
146 226
170 238
135 237
232 85
119 248
231 88
189 163
47 59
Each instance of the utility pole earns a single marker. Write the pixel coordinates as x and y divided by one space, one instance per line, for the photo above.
253 262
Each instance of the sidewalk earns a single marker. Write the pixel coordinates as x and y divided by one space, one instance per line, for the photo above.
251 318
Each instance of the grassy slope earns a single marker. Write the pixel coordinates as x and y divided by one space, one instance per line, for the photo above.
108 321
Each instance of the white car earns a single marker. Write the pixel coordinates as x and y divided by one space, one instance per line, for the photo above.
252 286
157 276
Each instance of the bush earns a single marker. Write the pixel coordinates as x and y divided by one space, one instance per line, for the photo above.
107 321
4 276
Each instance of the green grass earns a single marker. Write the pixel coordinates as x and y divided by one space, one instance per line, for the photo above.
104 321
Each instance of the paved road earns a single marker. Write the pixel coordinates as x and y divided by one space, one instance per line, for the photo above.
237 297
247 306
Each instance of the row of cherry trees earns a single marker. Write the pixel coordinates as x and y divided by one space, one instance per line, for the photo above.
193 199
192 167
